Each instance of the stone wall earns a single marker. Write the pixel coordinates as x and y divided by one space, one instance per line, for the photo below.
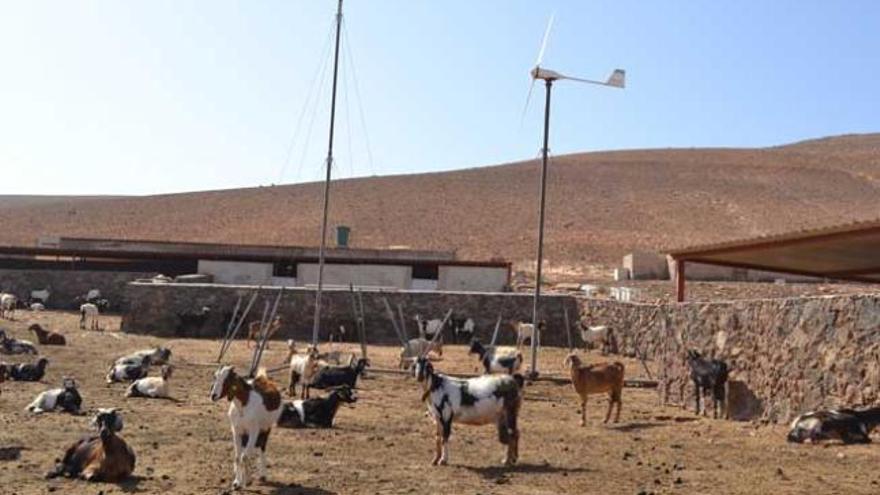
66 285
793 354
156 309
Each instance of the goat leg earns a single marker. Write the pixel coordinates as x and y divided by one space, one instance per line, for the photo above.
584 411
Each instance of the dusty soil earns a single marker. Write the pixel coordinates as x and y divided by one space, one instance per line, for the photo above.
600 205
384 444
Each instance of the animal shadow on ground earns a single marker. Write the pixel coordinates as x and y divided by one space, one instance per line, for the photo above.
130 485
294 489
11 453
497 472
635 426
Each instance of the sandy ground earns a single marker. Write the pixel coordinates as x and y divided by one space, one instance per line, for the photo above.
384 444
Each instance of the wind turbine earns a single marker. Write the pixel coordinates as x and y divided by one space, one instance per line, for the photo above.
616 80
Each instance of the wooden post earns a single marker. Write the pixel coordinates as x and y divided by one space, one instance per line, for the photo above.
393 321
495 333
679 281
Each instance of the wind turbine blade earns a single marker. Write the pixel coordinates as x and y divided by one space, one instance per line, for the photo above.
522 118
544 41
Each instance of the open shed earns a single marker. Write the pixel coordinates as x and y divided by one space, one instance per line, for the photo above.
848 252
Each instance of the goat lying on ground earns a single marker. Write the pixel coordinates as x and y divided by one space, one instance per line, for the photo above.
128 372
88 316
154 387
46 337
9 345
474 401
254 408
847 425
254 331
37 307
337 376
418 347
596 379
29 372
709 377
497 359
158 356
315 413
302 368
103 457
66 398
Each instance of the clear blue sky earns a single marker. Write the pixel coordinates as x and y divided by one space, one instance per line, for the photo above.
125 97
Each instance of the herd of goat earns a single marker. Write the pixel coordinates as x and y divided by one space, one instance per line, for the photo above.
256 405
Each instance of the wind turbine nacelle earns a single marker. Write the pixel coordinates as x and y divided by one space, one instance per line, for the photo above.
617 79
547 75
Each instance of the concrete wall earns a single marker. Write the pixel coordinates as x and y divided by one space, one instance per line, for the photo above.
154 310
67 285
237 272
387 276
794 355
643 265
472 278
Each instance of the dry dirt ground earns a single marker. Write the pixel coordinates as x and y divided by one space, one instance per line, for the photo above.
384 444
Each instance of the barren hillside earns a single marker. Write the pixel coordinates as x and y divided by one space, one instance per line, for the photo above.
601 205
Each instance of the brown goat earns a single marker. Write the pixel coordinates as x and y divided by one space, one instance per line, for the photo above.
103 457
46 337
254 330
596 379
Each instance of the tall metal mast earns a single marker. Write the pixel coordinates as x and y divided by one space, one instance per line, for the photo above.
317 321
544 152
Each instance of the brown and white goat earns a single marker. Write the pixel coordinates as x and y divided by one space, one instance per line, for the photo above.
254 408
302 368
596 379
46 337
254 331
474 401
103 457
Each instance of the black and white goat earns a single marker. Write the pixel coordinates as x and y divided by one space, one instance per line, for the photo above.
474 401
153 387
29 372
66 399
128 372
338 376
497 359
847 425
462 329
254 408
103 457
9 345
709 377
158 356
315 413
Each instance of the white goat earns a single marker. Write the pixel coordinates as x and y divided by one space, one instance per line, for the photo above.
88 313
7 305
37 307
418 347
254 408
154 387
598 336
302 368
474 401
427 328
526 331
158 356
40 295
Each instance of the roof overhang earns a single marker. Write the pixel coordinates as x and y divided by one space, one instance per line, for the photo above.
844 252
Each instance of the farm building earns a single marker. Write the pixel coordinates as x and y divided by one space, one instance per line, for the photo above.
72 266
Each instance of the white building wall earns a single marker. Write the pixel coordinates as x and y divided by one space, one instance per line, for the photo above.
391 276
472 278
237 272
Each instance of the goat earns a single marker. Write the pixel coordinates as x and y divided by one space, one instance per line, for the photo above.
337 335
9 345
709 376
154 387
192 320
254 408
336 357
315 413
29 372
497 359
37 307
158 356
66 398
473 401
526 331
596 379
337 376
254 331
128 372
8 303
103 457
88 313
418 347
40 295
427 328
462 329
45 337
600 335
848 425
302 367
